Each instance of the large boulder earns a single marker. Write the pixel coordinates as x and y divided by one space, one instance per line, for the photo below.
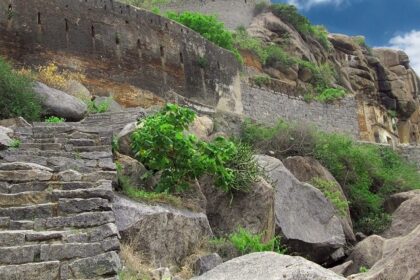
5 137
398 258
395 200
306 169
78 90
131 171
253 210
268 266
164 234
124 139
305 218
60 104
405 218
202 127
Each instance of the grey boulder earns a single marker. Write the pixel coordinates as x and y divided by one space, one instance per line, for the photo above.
304 217
268 266
5 140
60 104
165 234
124 139
207 263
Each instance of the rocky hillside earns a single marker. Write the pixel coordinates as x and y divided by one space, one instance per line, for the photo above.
382 80
90 189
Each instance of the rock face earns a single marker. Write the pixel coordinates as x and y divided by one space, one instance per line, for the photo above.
268 266
405 218
381 78
166 235
124 139
253 210
207 263
76 89
202 127
306 169
304 216
394 259
60 104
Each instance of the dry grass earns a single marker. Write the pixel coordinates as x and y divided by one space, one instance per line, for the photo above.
135 265
53 77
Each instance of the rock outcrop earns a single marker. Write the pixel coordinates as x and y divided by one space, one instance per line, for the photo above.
165 234
304 216
253 210
268 266
306 169
5 140
60 104
391 259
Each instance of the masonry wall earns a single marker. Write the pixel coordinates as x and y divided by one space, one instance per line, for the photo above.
411 153
268 106
242 16
116 42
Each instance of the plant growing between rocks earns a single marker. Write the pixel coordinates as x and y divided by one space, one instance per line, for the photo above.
162 144
368 174
54 119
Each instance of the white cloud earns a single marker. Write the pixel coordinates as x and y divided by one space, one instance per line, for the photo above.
409 43
307 4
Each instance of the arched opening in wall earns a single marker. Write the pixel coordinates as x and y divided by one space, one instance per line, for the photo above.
162 51
92 31
67 24
117 39
181 58
105 7
218 65
138 44
39 18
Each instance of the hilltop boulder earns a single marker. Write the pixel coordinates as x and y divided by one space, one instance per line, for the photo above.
305 169
58 103
268 266
304 216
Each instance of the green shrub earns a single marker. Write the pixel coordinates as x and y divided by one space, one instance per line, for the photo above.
330 94
332 193
209 27
261 80
98 107
363 269
367 173
54 119
16 95
276 57
243 41
162 144
246 242
290 14
15 144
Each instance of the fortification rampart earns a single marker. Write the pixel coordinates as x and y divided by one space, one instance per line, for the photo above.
243 9
269 106
115 42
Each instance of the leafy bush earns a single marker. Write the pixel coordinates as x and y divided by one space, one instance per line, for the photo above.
368 174
261 80
243 41
15 144
290 14
363 269
162 144
332 193
16 95
98 107
209 27
54 119
246 242
276 56
330 94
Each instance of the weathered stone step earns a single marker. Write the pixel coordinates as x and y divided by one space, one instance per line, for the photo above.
36 152
42 146
82 220
21 237
32 271
30 212
15 188
80 149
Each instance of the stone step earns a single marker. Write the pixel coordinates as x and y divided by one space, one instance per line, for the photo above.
32 271
80 149
31 212
42 146
82 220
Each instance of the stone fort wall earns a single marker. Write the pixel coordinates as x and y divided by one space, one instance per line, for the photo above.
269 106
110 41
244 9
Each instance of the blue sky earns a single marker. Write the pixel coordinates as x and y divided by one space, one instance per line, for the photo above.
389 23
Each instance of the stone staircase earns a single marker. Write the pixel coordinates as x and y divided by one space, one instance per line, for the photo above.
56 220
